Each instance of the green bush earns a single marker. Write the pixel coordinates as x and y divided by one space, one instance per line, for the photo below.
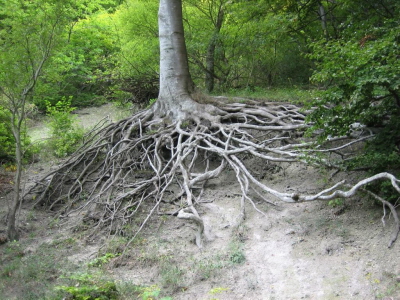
65 136
89 287
236 253
102 260
148 293
363 86
83 64
7 142
361 77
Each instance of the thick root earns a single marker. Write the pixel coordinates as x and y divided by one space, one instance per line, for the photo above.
141 161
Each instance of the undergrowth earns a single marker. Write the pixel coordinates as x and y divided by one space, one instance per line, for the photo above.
295 95
26 275
65 135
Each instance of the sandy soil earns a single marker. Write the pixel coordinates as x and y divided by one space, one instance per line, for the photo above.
294 251
87 118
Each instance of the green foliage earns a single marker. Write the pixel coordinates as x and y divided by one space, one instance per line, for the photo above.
293 94
363 87
336 202
28 33
86 286
216 291
236 253
138 37
150 293
253 46
65 136
7 142
137 61
360 73
102 260
82 66
151 102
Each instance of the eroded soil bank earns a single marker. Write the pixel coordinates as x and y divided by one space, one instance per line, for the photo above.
294 251
291 251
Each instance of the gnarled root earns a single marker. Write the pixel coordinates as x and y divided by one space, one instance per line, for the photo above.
146 161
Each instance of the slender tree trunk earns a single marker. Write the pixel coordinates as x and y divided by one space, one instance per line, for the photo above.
18 116
210 57
12 232
322 16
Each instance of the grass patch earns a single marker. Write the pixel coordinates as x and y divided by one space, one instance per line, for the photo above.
210 265
171 275
86 286
29 276
236 252
294 95
152 292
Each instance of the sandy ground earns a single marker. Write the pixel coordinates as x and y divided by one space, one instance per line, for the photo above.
294 251
87 118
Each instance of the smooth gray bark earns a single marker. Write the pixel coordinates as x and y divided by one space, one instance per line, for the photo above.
175 80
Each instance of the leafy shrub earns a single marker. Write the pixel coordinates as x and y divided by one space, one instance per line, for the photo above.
361 76
236 253
363 87
7 142
102 260
150 293
89 287
83 65
65 136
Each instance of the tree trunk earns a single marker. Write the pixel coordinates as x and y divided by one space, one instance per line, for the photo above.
18 116
12 232
322 16
176 84
210 58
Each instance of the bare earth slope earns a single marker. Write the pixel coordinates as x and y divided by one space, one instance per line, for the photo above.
301 251
292 251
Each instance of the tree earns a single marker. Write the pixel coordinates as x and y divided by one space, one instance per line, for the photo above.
161 158
26 44
176 84
212 14
30 32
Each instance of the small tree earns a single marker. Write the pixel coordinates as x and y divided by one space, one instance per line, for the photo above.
29 33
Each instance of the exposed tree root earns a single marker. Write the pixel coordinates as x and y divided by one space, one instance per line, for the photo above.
148 162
